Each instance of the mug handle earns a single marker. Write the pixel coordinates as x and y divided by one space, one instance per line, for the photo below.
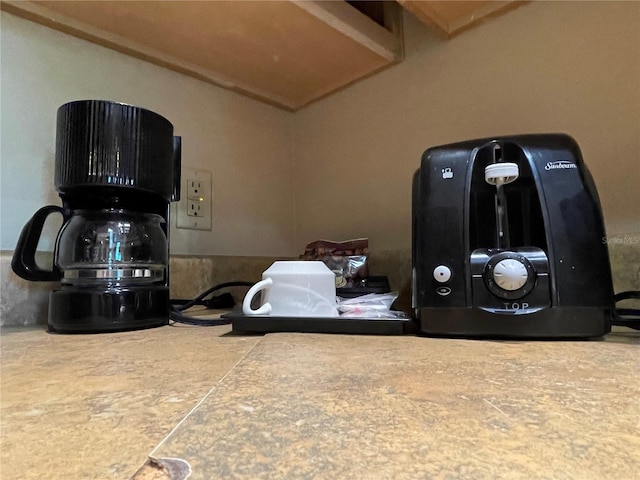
264 309
23 262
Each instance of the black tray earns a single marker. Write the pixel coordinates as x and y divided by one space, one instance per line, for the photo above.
370 326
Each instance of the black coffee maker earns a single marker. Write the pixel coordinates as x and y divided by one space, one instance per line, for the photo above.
117 168
509 241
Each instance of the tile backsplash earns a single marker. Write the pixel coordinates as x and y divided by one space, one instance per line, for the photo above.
25 303
192 275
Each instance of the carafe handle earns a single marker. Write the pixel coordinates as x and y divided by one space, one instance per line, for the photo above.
23 262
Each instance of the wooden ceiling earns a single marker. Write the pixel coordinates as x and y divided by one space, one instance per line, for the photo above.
449 18
288 53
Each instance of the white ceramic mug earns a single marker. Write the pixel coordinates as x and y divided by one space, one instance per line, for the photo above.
294 289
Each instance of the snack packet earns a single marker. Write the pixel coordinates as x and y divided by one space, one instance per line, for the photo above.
347 260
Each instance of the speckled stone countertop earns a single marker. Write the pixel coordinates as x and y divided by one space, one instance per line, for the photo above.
317 406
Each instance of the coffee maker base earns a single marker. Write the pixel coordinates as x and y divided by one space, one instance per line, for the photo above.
75 310
545 323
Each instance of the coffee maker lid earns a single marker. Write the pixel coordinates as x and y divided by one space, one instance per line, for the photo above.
105 143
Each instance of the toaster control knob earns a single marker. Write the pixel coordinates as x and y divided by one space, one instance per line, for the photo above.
442 273
510 274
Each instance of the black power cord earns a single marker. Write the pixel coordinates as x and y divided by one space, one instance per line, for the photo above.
627 317
224 301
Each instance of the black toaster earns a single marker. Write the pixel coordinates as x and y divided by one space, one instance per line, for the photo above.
509 241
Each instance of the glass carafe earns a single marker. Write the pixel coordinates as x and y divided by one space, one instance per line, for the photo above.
112 247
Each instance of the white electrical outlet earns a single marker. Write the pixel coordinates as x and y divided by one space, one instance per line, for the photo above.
195 205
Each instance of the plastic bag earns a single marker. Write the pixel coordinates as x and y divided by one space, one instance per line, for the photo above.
372 305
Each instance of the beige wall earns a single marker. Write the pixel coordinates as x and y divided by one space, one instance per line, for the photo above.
342 168
245 144
545 67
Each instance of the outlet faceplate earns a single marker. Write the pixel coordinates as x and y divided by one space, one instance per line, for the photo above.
195 206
